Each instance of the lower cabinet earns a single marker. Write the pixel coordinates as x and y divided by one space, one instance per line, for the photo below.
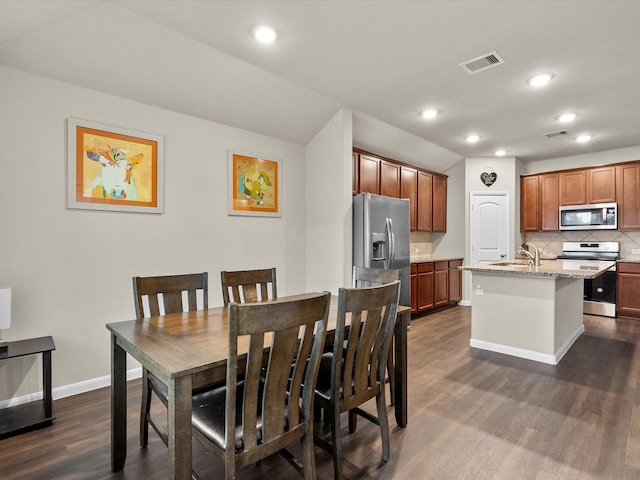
425 287
455 281
628 290
435 285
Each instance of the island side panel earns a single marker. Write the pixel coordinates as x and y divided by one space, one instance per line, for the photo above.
569 322
515 312
537 318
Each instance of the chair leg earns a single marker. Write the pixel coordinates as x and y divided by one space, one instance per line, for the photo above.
145 407
336 443
392 378
353 421
308 456
384 424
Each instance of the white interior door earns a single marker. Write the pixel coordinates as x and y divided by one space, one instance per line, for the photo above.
489 236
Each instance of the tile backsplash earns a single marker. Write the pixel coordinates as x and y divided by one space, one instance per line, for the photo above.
420 243
550 243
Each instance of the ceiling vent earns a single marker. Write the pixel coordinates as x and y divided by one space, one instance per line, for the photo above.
555 134
482 63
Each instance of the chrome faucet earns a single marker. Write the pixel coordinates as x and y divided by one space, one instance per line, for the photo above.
535 258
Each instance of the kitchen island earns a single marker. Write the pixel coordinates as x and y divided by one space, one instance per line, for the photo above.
527 311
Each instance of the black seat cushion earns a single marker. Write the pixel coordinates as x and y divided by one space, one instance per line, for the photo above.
323 383
208 409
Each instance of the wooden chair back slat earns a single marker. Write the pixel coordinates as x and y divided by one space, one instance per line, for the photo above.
170 287
248 286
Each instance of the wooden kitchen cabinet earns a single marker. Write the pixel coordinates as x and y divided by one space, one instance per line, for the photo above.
441 283
573 187
455 281
530 203
601 184
435 285
389 179
414 288
425 287
369 174
539 202
426 191
424 211
409 189
628 289
549 201
628 195
439 221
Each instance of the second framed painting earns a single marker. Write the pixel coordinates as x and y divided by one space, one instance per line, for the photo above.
254 184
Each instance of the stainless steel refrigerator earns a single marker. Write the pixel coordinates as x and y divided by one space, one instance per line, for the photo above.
381 236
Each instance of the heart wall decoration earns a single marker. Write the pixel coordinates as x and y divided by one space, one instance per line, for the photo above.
488 177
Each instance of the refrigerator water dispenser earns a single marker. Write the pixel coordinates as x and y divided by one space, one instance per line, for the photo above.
379 250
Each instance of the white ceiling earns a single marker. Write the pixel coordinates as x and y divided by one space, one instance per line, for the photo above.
385 60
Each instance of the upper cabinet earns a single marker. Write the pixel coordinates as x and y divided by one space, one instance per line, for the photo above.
439 204
369 174
389 179
601 185
628 194
424 210
542 195
591 185
409 189
530 203
573 188
550 201
426 191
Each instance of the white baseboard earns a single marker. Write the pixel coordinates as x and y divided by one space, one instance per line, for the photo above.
70 390
529 354
464 303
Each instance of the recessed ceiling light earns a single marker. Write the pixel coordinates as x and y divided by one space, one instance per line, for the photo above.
540 80
265 34
500 153
472 138
584 138
567 117
430 113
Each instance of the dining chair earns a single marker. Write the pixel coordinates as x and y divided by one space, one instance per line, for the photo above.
163 295
372 277
245 421
248 286
353 373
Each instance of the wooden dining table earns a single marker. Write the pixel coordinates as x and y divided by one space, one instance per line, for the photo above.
189 350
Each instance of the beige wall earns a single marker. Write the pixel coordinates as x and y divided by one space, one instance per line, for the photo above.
71 269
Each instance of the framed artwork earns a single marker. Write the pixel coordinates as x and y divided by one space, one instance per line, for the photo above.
254 184
111 168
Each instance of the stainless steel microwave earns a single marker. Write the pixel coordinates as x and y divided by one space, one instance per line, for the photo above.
598 216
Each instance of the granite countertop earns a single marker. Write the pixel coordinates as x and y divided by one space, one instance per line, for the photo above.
547 268
630 259
420 258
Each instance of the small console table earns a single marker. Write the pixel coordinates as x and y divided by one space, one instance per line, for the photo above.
26 416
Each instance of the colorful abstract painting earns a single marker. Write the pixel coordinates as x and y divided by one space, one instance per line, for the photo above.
114 169
254 184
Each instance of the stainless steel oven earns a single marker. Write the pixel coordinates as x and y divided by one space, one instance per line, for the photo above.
600 292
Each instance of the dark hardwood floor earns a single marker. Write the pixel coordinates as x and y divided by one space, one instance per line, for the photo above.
472 415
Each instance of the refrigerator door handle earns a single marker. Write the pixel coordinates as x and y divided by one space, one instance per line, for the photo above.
391 242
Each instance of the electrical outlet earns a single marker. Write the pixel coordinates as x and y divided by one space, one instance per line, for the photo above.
479 289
